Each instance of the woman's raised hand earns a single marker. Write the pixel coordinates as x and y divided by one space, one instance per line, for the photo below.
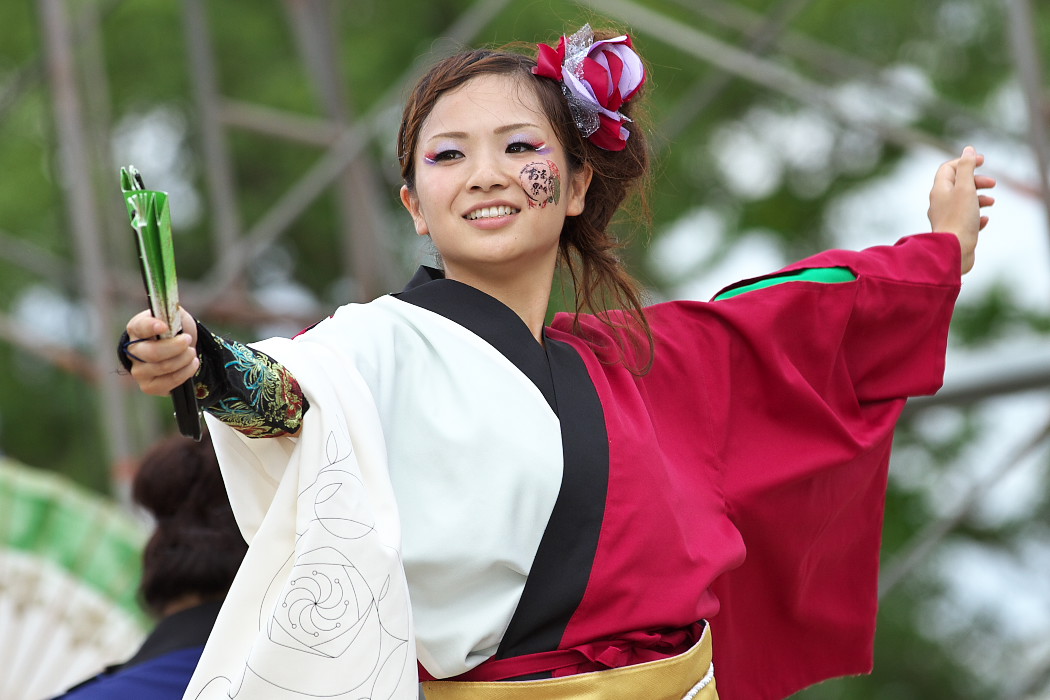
955 205
160 365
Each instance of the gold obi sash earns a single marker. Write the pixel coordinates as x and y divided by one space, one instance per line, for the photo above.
688 676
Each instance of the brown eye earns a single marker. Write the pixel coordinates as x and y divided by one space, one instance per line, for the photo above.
521 147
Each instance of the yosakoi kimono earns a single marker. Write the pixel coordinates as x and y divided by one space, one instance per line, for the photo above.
493 508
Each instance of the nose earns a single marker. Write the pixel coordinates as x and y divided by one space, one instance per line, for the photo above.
489 172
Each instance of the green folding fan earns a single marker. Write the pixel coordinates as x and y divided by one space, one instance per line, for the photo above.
70 565
151 220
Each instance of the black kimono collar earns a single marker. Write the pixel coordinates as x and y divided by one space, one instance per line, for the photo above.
182 630
562 566
486 317
424 274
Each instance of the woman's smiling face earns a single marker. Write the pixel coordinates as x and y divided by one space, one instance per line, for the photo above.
492 186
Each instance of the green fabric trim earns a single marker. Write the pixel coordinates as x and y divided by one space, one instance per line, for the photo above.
47 516
824 275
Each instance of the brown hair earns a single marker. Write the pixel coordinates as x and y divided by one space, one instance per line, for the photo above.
196 547
588 249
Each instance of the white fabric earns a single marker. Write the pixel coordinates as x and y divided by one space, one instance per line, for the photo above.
319 607
401 401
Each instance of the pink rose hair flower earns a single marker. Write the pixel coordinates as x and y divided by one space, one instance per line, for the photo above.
598 78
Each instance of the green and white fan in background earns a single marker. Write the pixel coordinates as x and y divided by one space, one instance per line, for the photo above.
70 564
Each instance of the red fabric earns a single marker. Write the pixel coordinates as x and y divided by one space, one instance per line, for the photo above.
763 430
748 472
609 135
599 78
604 82
632 93
633 648
549 60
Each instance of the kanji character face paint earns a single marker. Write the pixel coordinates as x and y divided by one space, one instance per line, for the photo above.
541 182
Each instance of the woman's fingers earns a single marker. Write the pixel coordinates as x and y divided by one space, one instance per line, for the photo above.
164 351
145 325
956 201
158 365
153 379
164 365
984 182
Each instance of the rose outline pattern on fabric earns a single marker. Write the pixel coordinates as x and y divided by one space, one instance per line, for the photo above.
321 630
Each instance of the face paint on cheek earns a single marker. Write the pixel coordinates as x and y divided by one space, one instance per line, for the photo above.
541 182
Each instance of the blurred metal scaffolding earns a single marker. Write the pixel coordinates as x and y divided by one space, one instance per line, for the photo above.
84 218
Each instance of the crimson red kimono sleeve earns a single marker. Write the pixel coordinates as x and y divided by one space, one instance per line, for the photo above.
818 375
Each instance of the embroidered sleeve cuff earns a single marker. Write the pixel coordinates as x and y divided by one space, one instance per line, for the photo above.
247 389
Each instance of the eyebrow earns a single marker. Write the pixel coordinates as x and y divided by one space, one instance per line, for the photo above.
501 130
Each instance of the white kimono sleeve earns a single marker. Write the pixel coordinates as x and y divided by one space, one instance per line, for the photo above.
319 608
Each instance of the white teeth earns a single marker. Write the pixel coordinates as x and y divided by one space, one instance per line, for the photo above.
489 212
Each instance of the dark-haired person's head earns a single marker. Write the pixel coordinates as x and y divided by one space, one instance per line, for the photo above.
196 547
616 172
607 165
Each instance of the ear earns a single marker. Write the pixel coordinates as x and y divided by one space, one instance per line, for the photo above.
578 186
411 202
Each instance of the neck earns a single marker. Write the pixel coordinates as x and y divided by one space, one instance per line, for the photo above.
526 295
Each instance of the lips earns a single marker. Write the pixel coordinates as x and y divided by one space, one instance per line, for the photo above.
491 212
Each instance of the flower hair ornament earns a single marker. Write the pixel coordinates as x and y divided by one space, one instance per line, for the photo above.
597 77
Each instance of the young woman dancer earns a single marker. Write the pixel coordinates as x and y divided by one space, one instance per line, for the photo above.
576 510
